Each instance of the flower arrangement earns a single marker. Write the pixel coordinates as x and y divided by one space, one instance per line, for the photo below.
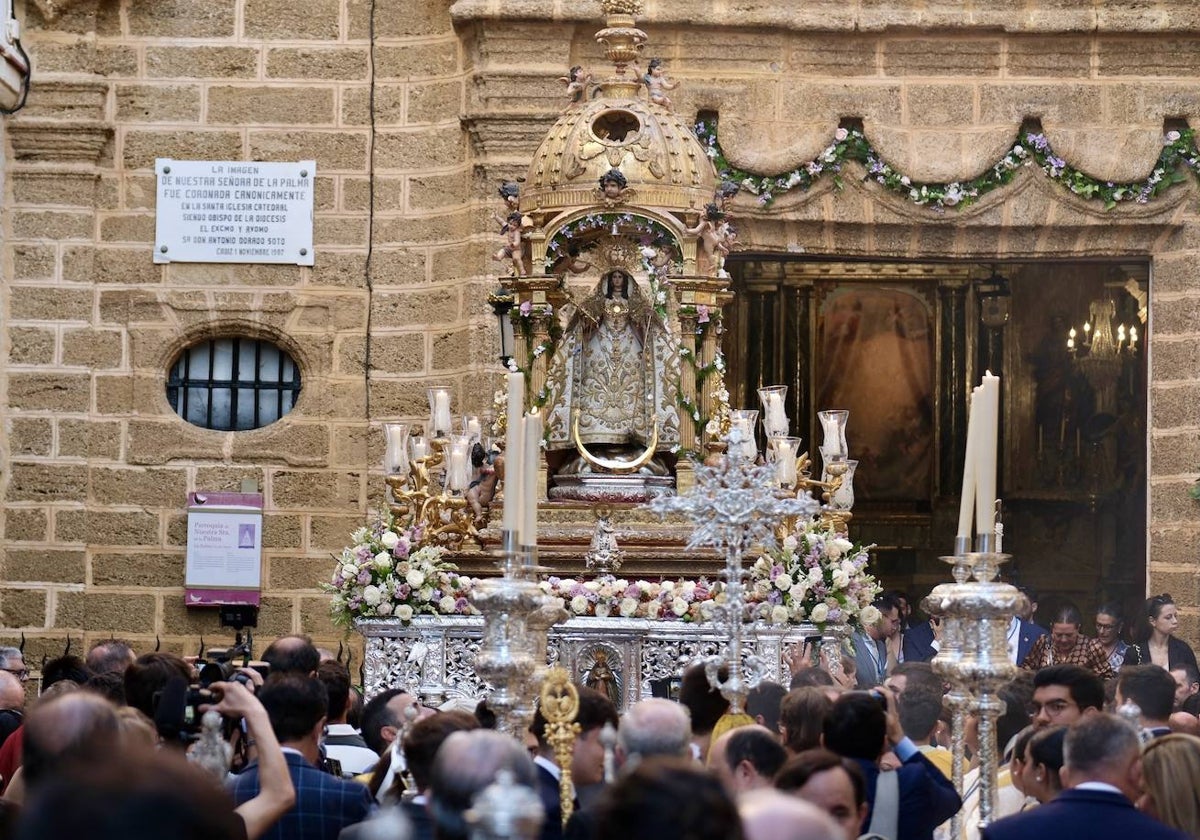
1179 155
607 595
387 572
816 575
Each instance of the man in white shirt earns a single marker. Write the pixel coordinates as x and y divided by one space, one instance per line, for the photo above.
342 742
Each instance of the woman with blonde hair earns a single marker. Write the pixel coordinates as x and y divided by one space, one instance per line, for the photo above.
1171 777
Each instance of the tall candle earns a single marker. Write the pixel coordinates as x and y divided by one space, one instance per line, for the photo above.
988 442
419 447
777 422
441 412
473 429
512 451
532 453
966 502
395 458
457 474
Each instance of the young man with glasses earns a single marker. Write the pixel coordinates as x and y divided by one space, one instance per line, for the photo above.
1062 694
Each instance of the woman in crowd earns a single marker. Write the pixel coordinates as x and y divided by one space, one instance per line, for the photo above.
1170 767
1043 761
1109 625
1157 643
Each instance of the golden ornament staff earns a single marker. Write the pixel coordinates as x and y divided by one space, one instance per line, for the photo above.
560 706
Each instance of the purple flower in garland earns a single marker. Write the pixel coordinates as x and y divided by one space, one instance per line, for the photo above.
364 577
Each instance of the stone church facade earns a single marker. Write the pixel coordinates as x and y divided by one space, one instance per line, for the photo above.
414 113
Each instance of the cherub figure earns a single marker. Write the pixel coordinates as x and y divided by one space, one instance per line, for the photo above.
576 81
726 237
482 488
657 83
612 186
709 256
513 234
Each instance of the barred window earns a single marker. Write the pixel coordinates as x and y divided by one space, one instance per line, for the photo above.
233 384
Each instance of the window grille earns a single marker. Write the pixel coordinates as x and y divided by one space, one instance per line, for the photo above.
233 384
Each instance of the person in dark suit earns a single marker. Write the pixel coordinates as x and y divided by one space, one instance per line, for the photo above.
921 642
325 804
859 727
466 763
1102 773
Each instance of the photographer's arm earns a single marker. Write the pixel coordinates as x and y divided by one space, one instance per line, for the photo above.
275 791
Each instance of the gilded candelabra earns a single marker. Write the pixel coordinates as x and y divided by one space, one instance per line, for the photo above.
831 518
422 499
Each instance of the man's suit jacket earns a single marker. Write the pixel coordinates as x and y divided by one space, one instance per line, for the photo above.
1094 814
918 641
927 798
864 664
547 787
418 816
324 805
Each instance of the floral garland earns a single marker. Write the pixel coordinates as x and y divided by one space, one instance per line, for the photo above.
387 571
607 595
718 423
646 229
1030 149
818 576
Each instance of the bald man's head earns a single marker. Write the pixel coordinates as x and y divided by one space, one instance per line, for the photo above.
769 814
12 692
79 726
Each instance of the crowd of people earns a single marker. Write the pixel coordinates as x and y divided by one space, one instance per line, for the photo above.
1099 739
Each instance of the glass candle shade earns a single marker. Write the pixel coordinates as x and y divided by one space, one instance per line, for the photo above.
774 417
395 454
439 411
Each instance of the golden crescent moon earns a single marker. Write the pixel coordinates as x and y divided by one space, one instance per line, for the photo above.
611 464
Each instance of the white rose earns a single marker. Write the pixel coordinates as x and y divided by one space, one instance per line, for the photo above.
841 134
797 593
602 610
349 571
404 612
848 567
653 609
385 608
869 616
579 605
668 586
707 608
628 607
843 544
790 542
679 607
819 613
371 596
383 561
689 588
784 583
446 605
840 579
832 550
762 587
425 593
390 539
415 579
815 574
779 615
592 586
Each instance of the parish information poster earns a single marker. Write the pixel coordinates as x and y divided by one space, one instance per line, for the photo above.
224 548
234 212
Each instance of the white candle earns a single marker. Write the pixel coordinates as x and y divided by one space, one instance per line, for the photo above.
457 476
966 502
785 460
988 442
777 422
419 448
396 456
512 452
441 413
532 452
473 428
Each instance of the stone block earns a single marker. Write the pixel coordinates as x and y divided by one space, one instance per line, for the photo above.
336 151
398 353
138 569
227 479
59 225
180 62
96 439
33 262
92 348
339 232
433 102
339 268
123 265
105 612
1175 545
295 444
180 620
463 260
1170 504
316 620
22 608
25 524
31 346
399 266
425 307
451 350
427 230
949 105
432 192
276 617
340 63
163 441
177 533
106 527
398 19
1040 56
49 391
47 483
1177 317
823 54
128 227
1073 102
1173 273
289 573
44 565
420 150
941 57
1172 56
31 436
315 490
143 146
113 60
351 448
1178 359
182 19
129 394
399 398
150 488
158 103
130 306
282 531
1176 454
278 20
1172 406
76 189
235 105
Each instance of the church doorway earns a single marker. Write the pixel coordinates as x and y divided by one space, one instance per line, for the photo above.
900 344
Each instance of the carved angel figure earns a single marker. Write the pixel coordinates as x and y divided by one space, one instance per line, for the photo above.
657 83
713 245
576 81
513 234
